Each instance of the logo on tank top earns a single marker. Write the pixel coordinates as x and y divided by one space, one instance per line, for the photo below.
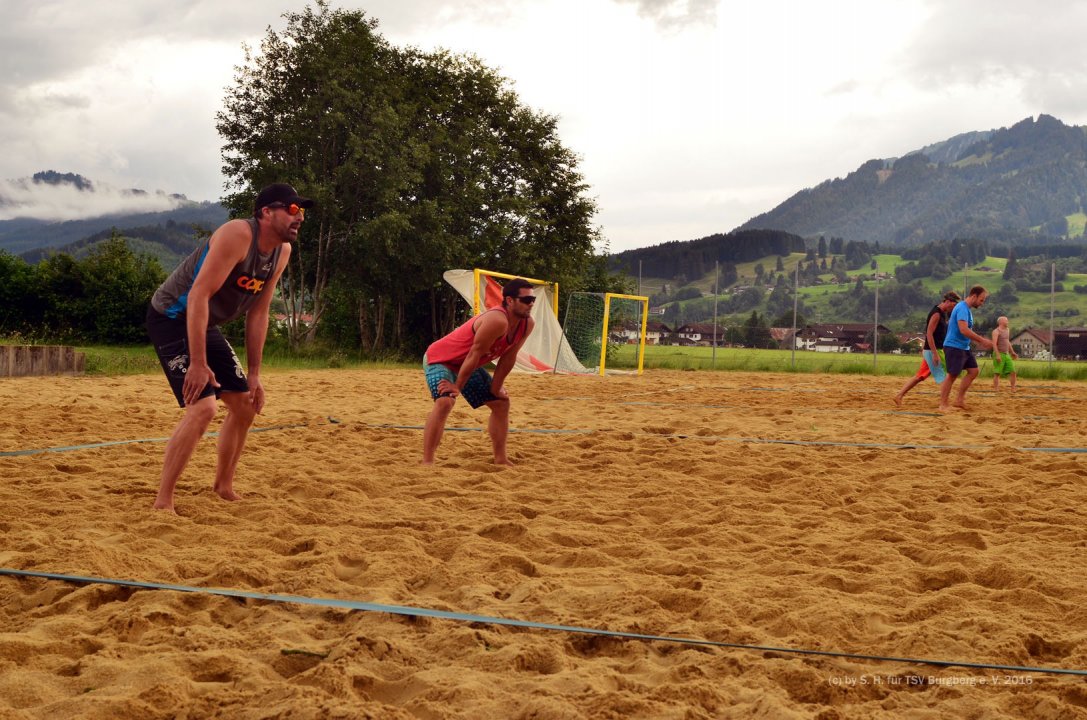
253 285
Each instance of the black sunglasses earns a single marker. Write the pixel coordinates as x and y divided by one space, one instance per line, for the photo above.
526 299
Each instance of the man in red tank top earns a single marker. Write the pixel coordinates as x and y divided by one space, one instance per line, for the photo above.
454 366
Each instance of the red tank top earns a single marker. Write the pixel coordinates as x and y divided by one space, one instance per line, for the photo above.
454 347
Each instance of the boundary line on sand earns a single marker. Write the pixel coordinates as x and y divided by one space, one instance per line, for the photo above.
578 431
494 620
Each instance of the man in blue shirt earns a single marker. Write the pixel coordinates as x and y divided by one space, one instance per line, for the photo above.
957 348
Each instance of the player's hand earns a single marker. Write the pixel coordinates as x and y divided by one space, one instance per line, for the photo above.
447 388
197 377
256 394
500 392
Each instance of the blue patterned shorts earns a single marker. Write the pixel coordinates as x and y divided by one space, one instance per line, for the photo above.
477 391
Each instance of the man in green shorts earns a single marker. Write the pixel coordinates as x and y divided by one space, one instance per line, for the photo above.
1004 354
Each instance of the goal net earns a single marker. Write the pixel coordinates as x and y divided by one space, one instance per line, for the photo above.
544 349
605 332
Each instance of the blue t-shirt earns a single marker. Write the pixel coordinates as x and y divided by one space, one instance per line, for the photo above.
954 338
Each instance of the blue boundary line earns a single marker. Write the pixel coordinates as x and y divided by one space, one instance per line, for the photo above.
493 620
565 431
762 441
110 443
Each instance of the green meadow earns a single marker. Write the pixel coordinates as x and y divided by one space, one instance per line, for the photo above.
1031 310
805 361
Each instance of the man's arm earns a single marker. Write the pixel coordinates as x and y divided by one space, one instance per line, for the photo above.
507 361
966 331
256 332
930 333
490 328
996 337
228 246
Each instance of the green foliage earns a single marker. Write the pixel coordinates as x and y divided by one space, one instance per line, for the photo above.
420 162
102 298
698 257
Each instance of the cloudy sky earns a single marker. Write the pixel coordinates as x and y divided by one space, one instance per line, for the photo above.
690 116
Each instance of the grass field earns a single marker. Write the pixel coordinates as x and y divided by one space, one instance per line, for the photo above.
1032 309
139 359
750 360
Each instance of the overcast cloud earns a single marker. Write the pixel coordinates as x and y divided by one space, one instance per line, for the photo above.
690 116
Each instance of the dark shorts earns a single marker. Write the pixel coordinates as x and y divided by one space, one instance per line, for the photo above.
959 360
477 391
171 340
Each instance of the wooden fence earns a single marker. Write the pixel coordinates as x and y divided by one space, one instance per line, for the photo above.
21 360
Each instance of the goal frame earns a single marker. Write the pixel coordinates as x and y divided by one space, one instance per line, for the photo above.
644 300
477 301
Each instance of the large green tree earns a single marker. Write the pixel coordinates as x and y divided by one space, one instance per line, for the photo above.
420 162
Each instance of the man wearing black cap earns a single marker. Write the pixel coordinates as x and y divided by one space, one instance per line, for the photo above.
232 273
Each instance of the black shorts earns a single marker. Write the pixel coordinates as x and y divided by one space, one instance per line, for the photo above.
959 360
171 340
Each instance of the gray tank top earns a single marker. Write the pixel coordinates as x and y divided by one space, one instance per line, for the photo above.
1003 343
247 281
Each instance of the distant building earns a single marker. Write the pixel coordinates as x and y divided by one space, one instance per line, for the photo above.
630 330
698 334
840 337
783 337
1070 343
1031 341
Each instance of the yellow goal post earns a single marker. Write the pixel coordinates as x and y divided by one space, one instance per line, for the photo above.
644 301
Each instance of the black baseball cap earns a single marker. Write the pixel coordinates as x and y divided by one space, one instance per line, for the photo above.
280 193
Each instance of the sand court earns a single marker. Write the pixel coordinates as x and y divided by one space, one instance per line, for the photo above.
789 511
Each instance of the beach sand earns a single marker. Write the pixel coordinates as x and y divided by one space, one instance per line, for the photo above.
798 512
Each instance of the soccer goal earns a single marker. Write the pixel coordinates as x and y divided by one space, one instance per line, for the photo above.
605 332
483 289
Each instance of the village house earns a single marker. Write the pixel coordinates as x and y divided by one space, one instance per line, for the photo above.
843 337
784 338
630 331
1031 341
697 334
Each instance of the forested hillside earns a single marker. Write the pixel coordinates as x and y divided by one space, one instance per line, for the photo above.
1027 180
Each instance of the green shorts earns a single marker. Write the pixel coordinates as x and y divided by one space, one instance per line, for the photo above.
1002 364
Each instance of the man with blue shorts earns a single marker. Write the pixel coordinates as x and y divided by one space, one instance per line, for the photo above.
957 348
932 362
454 367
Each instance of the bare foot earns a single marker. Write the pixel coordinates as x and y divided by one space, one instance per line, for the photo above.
960 405
426 462
944 408
504 461
165 507
898 401
228 495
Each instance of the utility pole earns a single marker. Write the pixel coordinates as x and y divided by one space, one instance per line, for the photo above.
875 330
716 278
796 295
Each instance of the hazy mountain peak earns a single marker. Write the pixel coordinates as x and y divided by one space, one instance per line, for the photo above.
55 196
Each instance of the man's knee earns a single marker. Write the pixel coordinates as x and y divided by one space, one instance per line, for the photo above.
202 411
444 405
240 406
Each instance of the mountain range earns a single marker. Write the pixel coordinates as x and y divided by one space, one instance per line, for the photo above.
1018 185
67 212
1015 182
